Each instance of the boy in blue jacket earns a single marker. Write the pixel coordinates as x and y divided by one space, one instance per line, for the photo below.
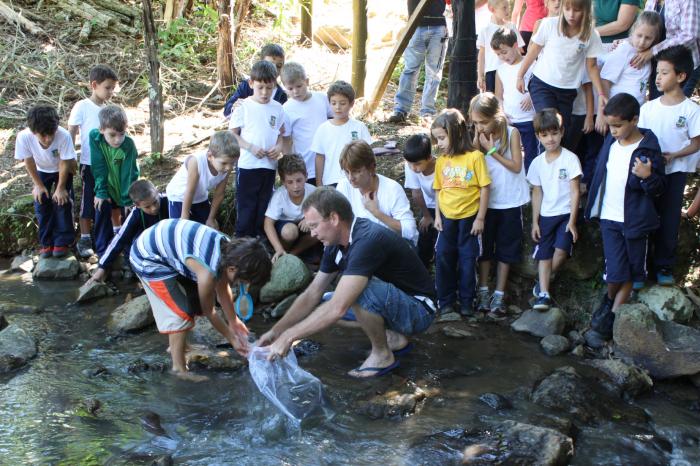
629 174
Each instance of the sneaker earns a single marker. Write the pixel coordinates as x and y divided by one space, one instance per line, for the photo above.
45 252
594 339
85 248
466 311
482 300
542 303
397 117
536 290
60 251
664 277
448 314
603 318
497 307
636 286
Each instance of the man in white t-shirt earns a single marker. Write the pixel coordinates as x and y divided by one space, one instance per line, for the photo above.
49 157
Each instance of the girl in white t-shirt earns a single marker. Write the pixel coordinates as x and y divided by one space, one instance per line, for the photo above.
503 227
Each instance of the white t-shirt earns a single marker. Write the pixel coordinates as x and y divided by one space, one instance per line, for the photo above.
512 97
554 178
207 181
624 77
618 168
491 60
46 160
674 126
330 139
391 200
423 182
85 114
482 17
563 59
281 206
304 119
507 189
260 124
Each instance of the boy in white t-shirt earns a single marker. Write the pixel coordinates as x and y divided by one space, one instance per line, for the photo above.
554 175
259 125
306 111
420 174
332 136
49 157
675 120
84 118
284 220
488 60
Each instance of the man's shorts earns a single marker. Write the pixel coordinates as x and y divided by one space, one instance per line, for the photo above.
553 235
625 258
502 238
174 302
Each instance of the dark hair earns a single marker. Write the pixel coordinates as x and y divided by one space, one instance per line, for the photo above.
327 200
249 257
453 122
503 36
547 119
417 148
271 50
42 119
142 190
263 71
341 88
290 164
114 117
101 73
356 155
622 105
680 57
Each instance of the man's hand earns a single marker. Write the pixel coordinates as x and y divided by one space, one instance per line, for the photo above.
571 227
304 227
425 223
279 349
536 235
641 169
268 337
38 192
99 201
477 226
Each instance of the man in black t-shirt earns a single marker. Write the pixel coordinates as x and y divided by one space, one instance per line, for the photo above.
383 283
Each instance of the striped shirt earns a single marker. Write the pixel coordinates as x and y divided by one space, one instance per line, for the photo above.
161 250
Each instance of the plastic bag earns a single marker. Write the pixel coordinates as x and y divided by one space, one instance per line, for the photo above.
297 393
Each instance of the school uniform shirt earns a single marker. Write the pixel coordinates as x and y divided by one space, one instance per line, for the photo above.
554 178
391 200
616 181
507 189
207 181
46 160
624 77
260 125
304 119
491 60
459 179
281 206
563 59
330 139
85 115
423 182
512 97
674 126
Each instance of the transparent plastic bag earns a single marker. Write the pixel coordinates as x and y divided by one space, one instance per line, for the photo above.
297 393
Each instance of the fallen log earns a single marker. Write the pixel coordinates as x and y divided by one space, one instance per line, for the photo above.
16 18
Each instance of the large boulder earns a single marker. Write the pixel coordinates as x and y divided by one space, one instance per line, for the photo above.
289 275
49 268
204 333
589 262
16 348
665 349
628 379
131 316
668 303
554 344
541 324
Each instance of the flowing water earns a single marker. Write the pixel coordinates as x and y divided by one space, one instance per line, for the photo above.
45 407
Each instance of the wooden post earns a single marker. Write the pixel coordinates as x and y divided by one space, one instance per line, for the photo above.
242 7
306 24
224 50
359 46
155 91
462 76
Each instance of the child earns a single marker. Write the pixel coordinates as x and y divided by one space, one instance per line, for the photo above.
188 191
629 176
508 192
332 136
272 53
675 120
462 197
113 160
150 208
487 60
554 175
568 44
49 157
617 74
284 221
306 111
84 118
183 267
516 105
258 124
420 175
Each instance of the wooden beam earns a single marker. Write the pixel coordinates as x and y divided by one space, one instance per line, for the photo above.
155 91
399 47
307 7
359 46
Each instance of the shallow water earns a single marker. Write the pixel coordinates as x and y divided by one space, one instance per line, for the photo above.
227 421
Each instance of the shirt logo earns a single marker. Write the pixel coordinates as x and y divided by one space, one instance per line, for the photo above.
563 174
273 120
682 122
55 153
580 47
354 135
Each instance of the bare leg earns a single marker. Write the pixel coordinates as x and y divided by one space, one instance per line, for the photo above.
85 225
694 207
305 242
544 269
373 326
560 256
502 276
621 295
177 350
484 271
395 340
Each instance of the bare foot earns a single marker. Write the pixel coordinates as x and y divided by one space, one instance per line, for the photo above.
190 376
377 361
188 348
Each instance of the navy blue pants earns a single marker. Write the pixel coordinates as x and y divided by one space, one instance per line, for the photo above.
528 139
199 212
253 193
55 221
586 147
456 253
104 230
545 96
87 199
668 205
426 243
490 78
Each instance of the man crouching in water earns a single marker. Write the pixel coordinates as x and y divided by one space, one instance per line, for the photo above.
383 283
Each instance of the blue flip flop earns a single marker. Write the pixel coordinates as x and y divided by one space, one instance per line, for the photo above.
405 350
244 295
379 371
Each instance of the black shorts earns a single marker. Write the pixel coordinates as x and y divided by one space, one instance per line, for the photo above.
502 238
553 235
625 258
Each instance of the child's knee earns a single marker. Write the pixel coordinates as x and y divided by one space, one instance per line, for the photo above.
290 233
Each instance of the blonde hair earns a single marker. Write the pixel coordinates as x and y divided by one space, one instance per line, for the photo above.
586 21
454 124
487 105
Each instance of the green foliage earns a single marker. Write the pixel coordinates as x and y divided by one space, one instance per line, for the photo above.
189 42
17 222
152 160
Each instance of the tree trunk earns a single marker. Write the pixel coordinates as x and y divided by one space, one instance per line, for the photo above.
359 44
155 92
462 76
224 51
307 8
242 8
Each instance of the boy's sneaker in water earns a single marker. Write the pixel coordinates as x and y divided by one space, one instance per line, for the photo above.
497 307
542 303
45 252
60 251
482 300
85 248
664 277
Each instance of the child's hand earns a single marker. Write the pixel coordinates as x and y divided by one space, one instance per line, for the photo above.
438 222
304 227
583 189
257 151
425 223
571 227
588 124
60 196
668 157
212 223
99 201
641 169
477 227
275 153
369 200
641 58
38 192
98 276
520 84
536 235
600 124
481 83
486 142
277 255
526 103
240 337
